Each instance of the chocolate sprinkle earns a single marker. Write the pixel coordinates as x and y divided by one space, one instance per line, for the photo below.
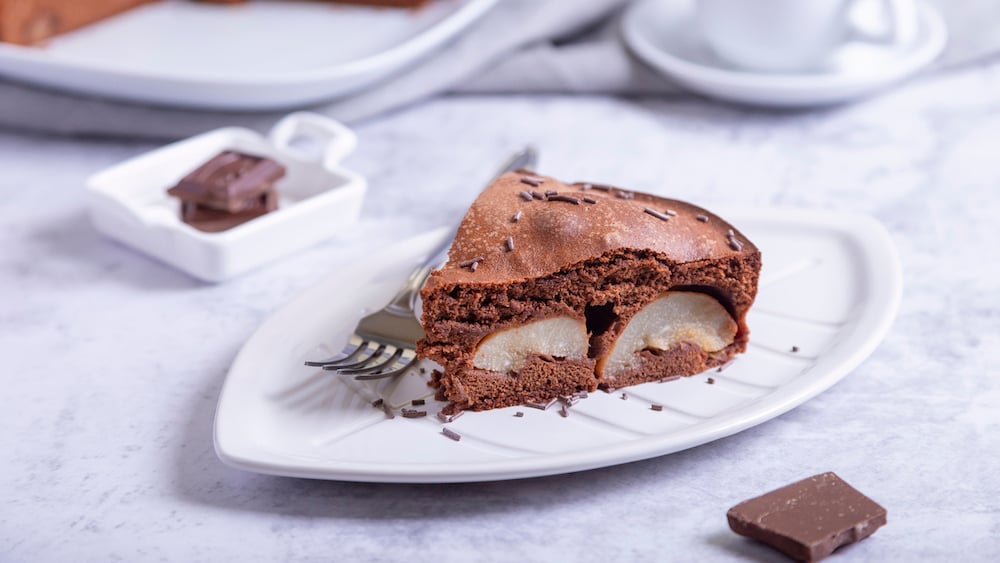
589 200
541 406
418 402
564 412
509 243
702 218
446 418
537 195
551 192
735 245
533 181
474 266
526 196
670 212
517 216
471 263
585 186
657 214
413 413
565 198
451 434
624 195
656 407
388 411
519 414
710 381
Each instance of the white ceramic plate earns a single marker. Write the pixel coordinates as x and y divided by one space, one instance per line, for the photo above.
663 33
261 55
831 286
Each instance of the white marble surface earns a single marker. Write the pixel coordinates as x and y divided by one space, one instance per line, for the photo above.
113 362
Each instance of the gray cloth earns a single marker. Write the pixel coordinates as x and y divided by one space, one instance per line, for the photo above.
568 46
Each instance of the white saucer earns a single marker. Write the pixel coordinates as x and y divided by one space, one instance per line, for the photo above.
662 34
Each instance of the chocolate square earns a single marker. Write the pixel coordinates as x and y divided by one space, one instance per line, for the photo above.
228 181
212 220
809 519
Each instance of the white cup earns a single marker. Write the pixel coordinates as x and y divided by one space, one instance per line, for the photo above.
796 35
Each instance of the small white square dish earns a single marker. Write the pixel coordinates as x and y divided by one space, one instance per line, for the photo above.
318 198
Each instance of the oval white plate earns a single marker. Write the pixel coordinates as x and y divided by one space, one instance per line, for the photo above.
831 286
261 55
663 34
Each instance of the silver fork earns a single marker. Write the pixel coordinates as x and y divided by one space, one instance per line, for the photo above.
384 342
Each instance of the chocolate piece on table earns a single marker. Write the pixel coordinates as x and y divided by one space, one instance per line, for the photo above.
211 220
228 181
809 519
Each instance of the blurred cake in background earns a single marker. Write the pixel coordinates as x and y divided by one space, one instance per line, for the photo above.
29 22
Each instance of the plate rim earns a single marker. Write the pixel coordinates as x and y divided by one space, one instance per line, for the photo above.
30 65
883 272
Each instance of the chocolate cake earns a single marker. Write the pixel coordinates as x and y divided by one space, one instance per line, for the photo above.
552 289
28 22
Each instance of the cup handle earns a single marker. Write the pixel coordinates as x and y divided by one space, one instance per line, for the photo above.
337 141
900 17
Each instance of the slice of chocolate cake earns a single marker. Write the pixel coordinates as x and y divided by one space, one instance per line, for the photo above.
552 289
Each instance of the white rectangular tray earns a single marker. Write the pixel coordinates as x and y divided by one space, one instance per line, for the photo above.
830 286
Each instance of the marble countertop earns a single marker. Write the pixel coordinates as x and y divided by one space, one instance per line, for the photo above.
114 362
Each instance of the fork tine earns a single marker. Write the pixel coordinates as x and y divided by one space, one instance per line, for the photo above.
385 374
375 355
335 361
374 367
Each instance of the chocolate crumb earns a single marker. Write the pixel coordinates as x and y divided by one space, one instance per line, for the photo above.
517 216
566 198
656 407
710 381
590 200
451 434
657 214
413 413
509 243
519 414
526 196
446 418
418 402
702 218
795 349
377 403
725 366
423 371
624 396
537 195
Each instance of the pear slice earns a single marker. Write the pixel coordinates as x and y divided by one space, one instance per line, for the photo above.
507 350
674 317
